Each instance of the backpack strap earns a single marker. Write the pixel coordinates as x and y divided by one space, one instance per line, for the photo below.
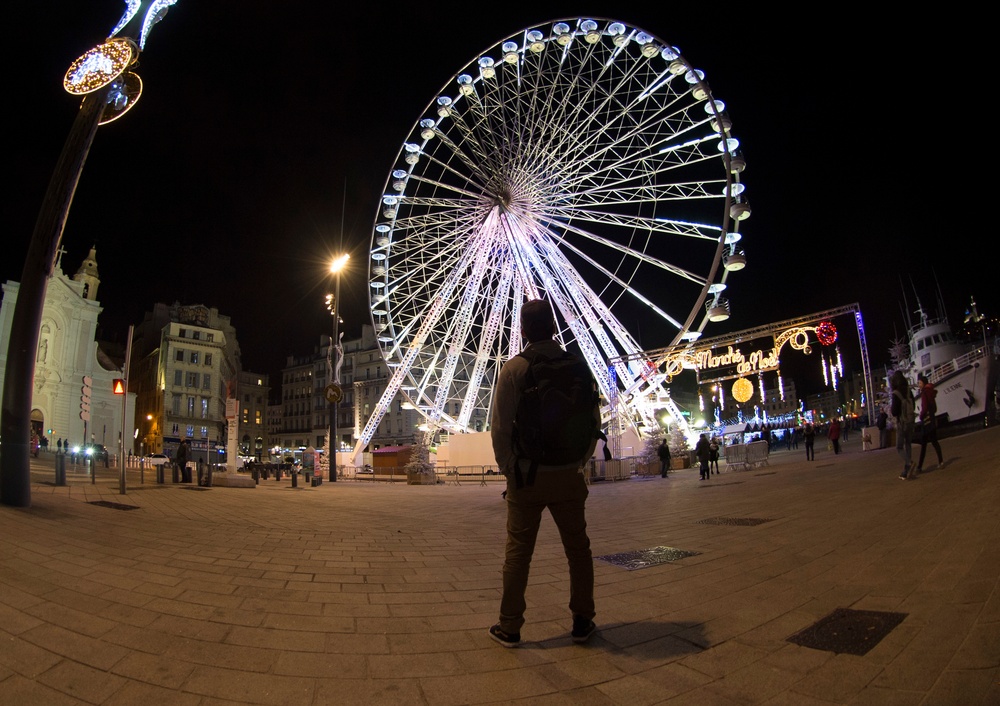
519 479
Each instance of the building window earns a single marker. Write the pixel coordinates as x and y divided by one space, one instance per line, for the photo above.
257 419
175 405
204 432
208 359
206 381
192 380
246 415
211 337
194 356
182 333
178 378
179 355
190 406
196 335
204 407
189 431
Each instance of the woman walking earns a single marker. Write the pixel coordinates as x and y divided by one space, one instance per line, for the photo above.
902 410
810 436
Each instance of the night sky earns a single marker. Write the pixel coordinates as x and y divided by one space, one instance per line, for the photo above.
265 135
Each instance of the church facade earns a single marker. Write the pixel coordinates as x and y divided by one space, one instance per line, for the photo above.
67 353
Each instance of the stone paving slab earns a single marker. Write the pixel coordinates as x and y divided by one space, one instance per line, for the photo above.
362 593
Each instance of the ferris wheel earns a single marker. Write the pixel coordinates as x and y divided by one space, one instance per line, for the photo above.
582 161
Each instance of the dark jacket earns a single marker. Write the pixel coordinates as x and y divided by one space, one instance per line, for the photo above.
702 450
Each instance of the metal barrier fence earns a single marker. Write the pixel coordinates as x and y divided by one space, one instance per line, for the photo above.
746 456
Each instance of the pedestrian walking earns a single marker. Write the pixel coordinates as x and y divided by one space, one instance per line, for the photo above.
809 434
703 451
834 435
713 455
928 421
181 460
532 487
663 452
902 412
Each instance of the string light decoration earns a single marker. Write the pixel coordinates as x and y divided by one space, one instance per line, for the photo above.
826 332
742 390
99 66
781 387
822 365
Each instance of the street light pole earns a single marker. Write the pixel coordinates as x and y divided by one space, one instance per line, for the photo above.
101 75
335 267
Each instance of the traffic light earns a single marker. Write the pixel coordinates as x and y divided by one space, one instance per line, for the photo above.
118 386
85 398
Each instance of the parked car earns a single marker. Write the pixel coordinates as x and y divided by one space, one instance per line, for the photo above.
97 452
159 459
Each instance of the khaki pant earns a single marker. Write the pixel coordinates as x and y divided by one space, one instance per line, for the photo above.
564 493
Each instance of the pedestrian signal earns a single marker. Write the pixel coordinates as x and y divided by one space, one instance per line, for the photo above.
118 386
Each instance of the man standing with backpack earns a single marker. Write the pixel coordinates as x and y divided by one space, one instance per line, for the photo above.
545 426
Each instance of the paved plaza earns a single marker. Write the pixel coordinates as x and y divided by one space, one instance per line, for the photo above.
368 593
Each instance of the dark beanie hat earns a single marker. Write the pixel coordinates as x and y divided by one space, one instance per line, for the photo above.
537 323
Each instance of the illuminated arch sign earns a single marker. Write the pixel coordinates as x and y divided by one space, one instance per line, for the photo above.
737 360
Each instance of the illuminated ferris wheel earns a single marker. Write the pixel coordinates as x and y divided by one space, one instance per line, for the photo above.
583 161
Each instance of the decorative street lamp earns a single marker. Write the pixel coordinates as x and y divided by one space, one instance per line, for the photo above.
334 393
101 75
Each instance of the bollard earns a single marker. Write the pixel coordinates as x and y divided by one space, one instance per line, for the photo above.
159 473
175 469
201 473
295 478
208 476
60 468
255 473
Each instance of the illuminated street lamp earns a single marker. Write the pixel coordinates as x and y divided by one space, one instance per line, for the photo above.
334 393
101 75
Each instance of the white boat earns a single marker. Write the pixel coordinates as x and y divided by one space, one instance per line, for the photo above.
964 374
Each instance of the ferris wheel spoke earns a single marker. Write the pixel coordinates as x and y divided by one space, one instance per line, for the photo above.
571 218
645 165
484 354
640 256
600 320
462 322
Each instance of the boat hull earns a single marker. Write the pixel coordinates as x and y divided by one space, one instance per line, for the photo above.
965 385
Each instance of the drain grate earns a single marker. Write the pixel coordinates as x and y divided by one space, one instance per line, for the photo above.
113 506
643 558
719 485
847 631
739 521
195 487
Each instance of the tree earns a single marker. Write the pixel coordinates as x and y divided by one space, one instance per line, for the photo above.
678 443
420 457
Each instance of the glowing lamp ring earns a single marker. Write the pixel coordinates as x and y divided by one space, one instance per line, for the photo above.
99 66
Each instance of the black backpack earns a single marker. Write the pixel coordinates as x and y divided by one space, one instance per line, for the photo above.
555 421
